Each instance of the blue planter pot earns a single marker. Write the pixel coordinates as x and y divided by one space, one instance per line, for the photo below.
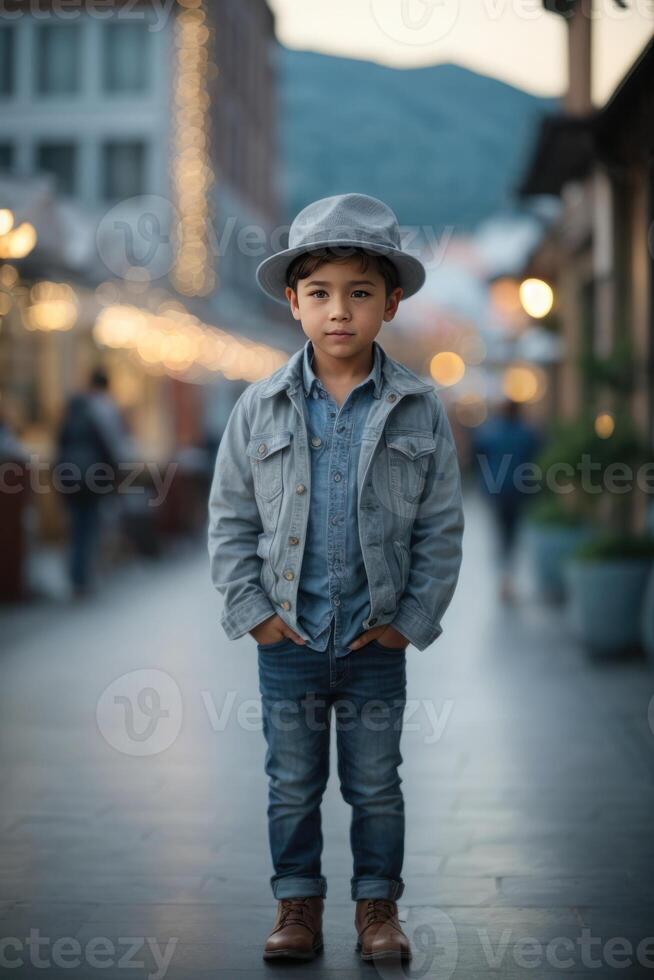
550 545
606 603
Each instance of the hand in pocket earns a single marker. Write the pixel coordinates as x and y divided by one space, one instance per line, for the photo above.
274 629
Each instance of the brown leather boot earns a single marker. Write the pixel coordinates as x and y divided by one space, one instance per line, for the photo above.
297 932
379 930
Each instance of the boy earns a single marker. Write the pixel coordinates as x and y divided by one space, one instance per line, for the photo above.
335 528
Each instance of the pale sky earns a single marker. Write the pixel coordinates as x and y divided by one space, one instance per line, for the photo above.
513 40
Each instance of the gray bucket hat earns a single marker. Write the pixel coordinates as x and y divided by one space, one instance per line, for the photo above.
341 222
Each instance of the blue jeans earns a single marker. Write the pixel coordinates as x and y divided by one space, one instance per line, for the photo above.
367 691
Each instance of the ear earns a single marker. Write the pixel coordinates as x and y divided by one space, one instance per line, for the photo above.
392 303
291 296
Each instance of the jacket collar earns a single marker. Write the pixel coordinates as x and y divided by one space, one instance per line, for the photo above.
392 375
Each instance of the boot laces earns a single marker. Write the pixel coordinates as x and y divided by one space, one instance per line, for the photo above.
379 910
293 911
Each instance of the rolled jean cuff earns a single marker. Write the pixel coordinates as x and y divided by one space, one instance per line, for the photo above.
299 887
376 888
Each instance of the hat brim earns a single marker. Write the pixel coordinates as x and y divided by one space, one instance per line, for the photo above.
271 273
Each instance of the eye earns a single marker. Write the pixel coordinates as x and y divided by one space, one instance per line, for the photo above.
316 291
364 291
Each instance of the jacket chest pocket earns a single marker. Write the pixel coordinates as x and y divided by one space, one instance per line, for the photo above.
266 456
409 455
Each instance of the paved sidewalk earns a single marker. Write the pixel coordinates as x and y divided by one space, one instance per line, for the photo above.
133 805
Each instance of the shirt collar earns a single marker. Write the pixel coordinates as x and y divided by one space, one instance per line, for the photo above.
309 377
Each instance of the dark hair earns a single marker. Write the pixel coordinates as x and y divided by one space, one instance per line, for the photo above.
306 264
99 378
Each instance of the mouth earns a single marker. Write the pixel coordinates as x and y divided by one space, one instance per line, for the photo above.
340 333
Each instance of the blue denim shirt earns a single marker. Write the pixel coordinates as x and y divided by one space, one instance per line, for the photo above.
333 588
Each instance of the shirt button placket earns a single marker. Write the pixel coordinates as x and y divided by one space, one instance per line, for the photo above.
332 510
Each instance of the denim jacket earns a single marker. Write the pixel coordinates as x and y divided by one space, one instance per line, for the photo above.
409 506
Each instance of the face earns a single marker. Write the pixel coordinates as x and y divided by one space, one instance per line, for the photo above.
341 308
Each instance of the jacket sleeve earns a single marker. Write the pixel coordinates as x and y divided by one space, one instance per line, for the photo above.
436 542
234 528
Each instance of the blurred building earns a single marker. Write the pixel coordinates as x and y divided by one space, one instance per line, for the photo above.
137 140
140 142
598 255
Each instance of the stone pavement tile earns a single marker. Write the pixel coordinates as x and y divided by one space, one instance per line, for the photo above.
550 860
134 888
187 912
21 916
592 889
561 934
623 919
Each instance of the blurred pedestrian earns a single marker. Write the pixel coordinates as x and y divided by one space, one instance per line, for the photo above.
91 443
501 446
11 448
14 499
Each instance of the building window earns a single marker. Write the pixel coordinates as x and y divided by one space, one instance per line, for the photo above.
126 57
59 159
6 61
58 59
123 168
6 157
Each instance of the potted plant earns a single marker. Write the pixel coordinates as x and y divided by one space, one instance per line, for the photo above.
607 579
606 576
560 517
552 534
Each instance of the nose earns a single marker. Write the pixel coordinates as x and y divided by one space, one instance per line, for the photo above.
339 311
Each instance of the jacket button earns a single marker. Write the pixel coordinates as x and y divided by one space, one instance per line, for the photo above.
285 604
316 441
293 540
262 448
300 488
289 574
392 397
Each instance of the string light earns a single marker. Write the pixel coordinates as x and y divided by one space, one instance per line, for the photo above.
192 174
447 368
536 297
604 425
52 306
177 343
